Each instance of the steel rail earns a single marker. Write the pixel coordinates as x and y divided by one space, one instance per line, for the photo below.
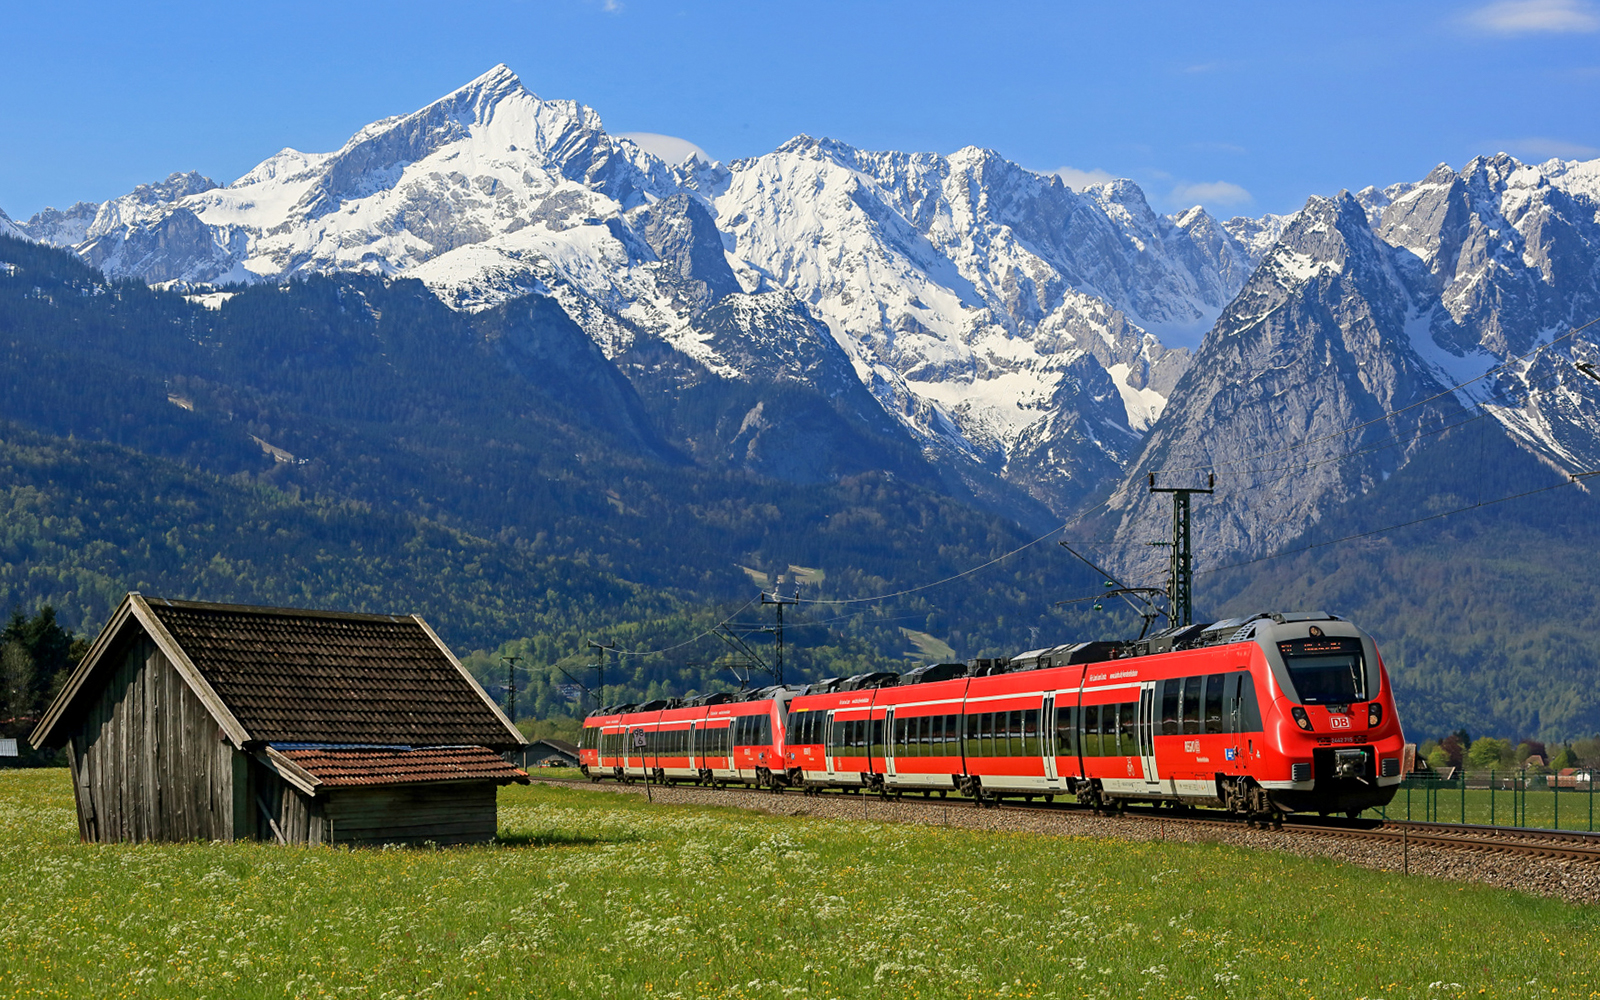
1567 845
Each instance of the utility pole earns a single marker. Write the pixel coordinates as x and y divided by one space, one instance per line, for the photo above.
511 686
1181 592
777 601
600 668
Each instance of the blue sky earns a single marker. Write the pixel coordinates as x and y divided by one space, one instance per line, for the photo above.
1245 108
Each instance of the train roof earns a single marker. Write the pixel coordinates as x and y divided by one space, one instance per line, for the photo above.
1194 636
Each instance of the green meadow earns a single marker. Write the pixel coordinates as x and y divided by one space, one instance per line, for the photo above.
600 894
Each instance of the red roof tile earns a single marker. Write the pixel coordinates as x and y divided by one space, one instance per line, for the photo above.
337 767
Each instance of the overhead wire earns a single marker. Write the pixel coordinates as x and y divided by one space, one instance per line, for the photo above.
1393 441
687 642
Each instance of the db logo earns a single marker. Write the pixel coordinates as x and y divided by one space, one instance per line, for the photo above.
1339 721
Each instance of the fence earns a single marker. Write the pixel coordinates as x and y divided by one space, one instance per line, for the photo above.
1496 798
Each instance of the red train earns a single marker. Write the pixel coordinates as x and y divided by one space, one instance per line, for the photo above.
1263 715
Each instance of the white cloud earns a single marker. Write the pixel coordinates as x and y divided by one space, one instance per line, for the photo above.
1077 179
1211 193
1526 17
1543 148
669 147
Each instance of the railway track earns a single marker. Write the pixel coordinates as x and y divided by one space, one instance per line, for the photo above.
1505 840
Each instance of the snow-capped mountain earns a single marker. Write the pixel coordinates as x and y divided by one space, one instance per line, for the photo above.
1002 318
1365 335
1009 326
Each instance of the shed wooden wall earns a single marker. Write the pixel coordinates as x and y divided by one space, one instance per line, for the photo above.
282 812
148 761
443 812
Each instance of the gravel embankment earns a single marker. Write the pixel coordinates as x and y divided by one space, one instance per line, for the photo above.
1575 881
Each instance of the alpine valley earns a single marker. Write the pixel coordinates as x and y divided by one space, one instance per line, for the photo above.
492 363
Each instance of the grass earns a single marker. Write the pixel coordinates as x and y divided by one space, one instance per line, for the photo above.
597 894
1541 808
935 649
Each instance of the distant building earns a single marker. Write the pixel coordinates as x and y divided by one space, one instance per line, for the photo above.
202 721
545 753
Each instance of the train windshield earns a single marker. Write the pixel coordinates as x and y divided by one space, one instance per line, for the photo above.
1326 671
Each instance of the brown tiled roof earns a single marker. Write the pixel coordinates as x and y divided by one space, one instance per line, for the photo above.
336 767
323 677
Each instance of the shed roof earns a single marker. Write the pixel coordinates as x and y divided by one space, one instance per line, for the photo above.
289 675
318 768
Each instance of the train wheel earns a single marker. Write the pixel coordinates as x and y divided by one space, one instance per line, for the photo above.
1049 798
943 793
1353 814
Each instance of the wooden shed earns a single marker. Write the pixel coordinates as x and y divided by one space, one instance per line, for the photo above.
189 720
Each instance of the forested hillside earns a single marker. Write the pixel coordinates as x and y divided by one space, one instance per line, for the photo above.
351 443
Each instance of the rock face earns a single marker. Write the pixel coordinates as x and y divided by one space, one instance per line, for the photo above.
1376 323
822 309
970 298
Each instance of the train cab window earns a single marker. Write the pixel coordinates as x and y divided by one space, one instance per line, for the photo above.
1091 730
1327 671
1191 706
1211 717
1171 692
1066 731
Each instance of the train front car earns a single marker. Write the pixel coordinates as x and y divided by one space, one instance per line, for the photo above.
1333 738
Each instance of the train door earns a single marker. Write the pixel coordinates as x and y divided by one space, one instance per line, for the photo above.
828 745
1047 736
888 743
1147 731
693 731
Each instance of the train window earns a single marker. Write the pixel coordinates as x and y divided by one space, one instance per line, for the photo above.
1066 743
878 737
972 733
1191 706
1091 730
1170 693
1128 739
1212 721
986 734
1014 734
1247 711
1030 733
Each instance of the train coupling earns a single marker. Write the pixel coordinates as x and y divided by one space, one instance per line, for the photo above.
1350 764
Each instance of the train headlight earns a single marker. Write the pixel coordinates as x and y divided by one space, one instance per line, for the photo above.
1301 719
1374 715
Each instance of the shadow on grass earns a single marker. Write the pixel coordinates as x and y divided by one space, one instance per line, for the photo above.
561 838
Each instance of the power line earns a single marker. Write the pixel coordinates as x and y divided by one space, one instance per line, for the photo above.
710 631
958 576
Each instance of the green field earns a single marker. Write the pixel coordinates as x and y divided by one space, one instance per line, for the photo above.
1540 808
596 894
